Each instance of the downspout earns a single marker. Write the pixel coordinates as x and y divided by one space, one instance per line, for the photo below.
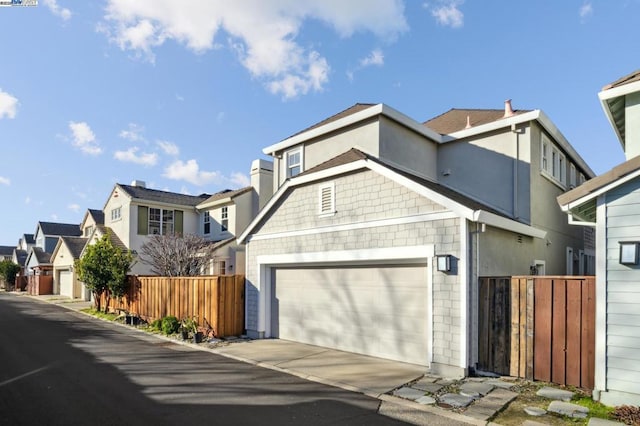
516 169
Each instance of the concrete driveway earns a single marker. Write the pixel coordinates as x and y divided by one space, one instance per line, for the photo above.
361 373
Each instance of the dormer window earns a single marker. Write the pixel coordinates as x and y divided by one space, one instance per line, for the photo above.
294 162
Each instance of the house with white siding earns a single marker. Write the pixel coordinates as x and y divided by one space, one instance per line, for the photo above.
611 204
381 226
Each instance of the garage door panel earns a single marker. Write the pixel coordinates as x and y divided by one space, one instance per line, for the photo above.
374 310
66 283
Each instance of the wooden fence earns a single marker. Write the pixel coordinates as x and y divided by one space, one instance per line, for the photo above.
39 284
216 302
551 335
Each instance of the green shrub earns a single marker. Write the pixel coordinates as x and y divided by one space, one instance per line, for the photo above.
170 325
156 325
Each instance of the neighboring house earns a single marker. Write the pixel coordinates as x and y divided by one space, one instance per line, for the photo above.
611 203
92 219
65 282
226 214
381 226
20 254
134 211
38 260
6 252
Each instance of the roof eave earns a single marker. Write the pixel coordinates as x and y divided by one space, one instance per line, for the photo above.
378 109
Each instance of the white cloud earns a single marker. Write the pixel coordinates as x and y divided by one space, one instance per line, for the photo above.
133 133
131 156
5 181
376 57
262 33
169 148
54 216
84 138
190 172
240 179
179 98
74 207
586 10
447 13
8 105
27 200
61 12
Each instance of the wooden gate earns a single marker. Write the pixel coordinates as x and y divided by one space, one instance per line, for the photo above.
494 325
550 328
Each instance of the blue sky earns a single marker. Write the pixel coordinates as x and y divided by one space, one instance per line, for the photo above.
184 95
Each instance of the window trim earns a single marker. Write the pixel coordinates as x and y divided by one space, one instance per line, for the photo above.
116 213
553 162
299 164
161 222
224 219
573 181
206 222
331 187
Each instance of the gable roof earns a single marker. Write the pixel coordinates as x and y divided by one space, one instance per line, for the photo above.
344 113
75 245
580 201
66 229
6 250
42 256
224 195
155 195
21 256
97 215
355 159
455 119
612 99
29 239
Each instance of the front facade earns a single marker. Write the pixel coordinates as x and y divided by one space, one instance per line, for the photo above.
38 261
133 212
610 203
65 280
378 249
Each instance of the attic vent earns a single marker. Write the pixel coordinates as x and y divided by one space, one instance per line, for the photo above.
327 199
519 239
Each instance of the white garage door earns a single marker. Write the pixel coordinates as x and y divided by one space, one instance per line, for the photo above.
379 311
66 284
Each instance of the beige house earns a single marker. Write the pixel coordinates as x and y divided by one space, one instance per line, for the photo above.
65 281
381 227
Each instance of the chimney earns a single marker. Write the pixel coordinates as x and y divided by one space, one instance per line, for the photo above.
262 182
468 126
508 111
139 183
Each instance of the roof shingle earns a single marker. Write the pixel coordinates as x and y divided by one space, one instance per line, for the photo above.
147 194
455 119
64 229
75 245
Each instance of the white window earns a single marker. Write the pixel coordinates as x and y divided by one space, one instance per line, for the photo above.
572 176
88 230
538 267
224 222
552 162
582 179
294 162
207 222
160 221
115 214
327 199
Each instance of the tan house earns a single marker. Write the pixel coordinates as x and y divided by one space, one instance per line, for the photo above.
65 281
381 227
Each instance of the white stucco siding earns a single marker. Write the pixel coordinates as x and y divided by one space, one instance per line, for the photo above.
623 293
365 135
494 169
402 146
365 198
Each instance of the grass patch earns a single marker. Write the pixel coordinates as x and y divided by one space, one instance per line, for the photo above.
100 314
596 409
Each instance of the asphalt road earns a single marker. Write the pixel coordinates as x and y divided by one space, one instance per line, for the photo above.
59 367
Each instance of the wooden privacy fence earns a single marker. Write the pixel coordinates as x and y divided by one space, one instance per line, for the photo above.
545 330
216 302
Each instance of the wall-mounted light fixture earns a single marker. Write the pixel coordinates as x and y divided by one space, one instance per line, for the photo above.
629 252
443 262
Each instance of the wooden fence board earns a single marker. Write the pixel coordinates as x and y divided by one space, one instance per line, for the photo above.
573 332
559 330
542 326
202 298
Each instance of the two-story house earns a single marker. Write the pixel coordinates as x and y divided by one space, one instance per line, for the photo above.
46 237
6 252
134 211
610 203
227 213
381 227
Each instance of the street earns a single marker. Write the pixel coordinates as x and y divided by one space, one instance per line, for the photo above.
59 367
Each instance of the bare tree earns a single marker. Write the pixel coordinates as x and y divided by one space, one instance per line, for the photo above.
175 255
